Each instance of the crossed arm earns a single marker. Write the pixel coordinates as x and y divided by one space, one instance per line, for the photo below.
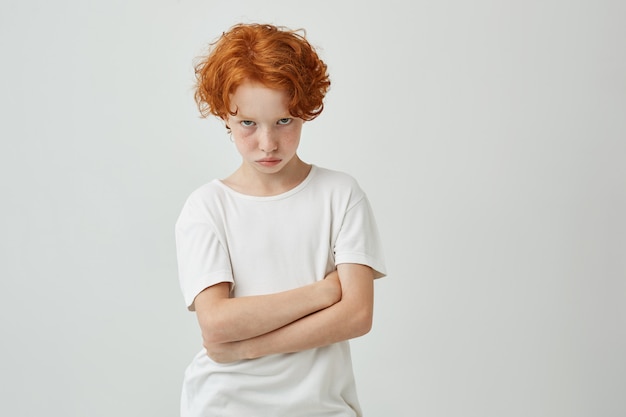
338 308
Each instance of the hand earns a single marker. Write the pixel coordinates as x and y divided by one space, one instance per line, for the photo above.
333 287
224 352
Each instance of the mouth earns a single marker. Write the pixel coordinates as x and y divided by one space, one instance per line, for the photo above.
268 162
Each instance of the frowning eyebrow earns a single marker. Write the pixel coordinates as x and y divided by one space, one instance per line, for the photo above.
242 116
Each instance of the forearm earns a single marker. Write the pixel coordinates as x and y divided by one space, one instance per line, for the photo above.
334 324
234 319
349 318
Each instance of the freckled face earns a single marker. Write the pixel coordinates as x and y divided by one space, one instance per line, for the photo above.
266 135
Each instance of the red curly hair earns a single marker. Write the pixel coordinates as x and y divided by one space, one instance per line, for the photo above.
275 56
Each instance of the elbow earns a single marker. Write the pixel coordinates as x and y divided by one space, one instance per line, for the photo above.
211 338
363 321
213 331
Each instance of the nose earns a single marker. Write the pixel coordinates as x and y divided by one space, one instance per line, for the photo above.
268 141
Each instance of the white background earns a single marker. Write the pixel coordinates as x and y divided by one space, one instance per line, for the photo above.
489 135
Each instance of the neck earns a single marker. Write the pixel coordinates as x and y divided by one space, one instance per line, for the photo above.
252 182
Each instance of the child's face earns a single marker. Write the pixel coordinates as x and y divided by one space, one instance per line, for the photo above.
266 135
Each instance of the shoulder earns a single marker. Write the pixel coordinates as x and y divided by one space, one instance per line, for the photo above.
339 188
336 179
206 192
201 201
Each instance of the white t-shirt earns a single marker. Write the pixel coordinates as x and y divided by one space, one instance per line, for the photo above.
264 245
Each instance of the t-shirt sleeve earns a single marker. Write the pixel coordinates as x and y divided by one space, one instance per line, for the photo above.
202 258
359 240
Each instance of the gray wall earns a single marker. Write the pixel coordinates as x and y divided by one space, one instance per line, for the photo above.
489 135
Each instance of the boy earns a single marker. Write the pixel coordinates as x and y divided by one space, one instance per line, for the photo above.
278 259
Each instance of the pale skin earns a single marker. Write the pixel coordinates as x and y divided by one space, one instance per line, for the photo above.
335 309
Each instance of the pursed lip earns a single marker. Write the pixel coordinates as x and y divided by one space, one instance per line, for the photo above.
269 160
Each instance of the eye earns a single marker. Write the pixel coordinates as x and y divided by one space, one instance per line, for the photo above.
284 121
247 123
